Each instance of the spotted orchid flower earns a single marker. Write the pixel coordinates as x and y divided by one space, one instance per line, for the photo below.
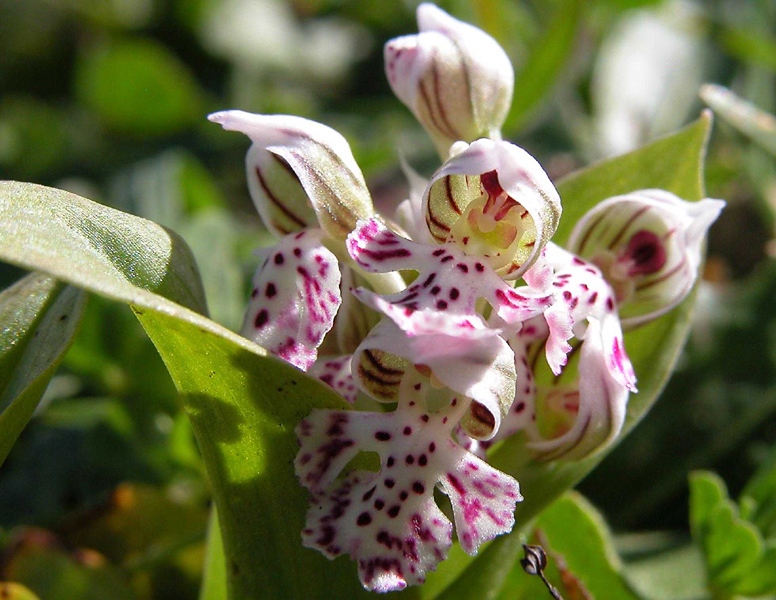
455 78
493 200
649 246
388 521
435 322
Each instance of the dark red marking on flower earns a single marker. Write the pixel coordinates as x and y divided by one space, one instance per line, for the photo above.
379 504
418 487
369 494
490 184
454 293
447 258
364 519
389 483
422 460
254 293
610 303
261 319
479 267
435 290
297 252
270 290
647 253
520 406
432 447
483 415
279 259
393 512
424 418
429 280
457 486
438 252
382 436
403 496
390 461
441 305
407 430
409 459
567 295
463 267
337 421
327 536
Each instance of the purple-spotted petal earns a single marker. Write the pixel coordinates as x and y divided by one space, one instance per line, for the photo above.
295 298
335 371
649 245
320 159
582 294
388 521
494 200
448 279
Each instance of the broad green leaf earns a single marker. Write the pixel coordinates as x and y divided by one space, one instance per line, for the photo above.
756 124
38 319
95 247
243 404
15 591
243 407
138 87
674 163
579 546
545 62
761 579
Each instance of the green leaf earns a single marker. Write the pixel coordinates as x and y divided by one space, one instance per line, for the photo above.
95 247
214 585
678 574
732 546
138 87
756 124
759 496
243 408
579 543
674 163
545 62
38 320
243 404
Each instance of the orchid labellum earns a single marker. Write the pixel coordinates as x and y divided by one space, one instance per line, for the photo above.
468 325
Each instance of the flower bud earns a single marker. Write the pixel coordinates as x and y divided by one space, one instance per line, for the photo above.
495 201
320 172
455 78
648 244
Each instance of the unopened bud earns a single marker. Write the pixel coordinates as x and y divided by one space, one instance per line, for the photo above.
300 171
454 77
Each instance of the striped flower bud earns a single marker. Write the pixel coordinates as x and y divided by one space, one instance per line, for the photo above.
455 78
300 171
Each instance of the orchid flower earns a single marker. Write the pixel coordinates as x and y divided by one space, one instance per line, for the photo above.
430 317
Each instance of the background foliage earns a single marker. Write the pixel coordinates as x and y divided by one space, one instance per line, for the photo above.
104 495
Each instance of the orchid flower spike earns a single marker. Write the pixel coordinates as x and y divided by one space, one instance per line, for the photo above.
455 78
298 170
495 201
649 245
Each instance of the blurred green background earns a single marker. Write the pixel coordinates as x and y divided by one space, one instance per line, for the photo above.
104 495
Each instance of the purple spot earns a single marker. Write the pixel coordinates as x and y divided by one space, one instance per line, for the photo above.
364 519
435 290
379 504
432 447
438 252
410 459
456 484
393 512
297 252
418 487
463 267
390 461
441 304
271 290
382 436
261 319
454 293
279 259
479 267
389 483
407 430
422 460
403 496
